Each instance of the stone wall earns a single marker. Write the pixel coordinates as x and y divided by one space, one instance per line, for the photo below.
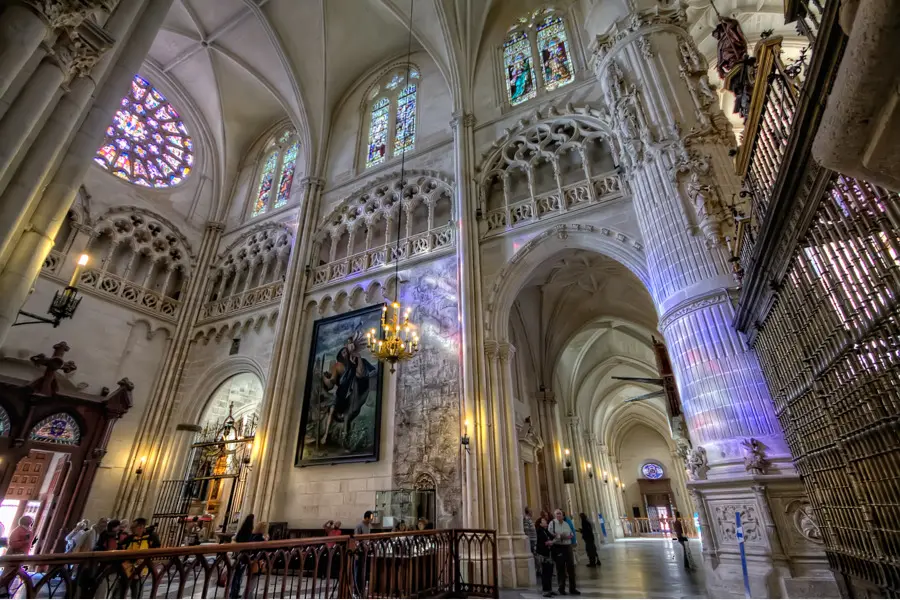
427 411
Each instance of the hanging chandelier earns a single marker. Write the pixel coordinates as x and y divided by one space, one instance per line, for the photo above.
399 340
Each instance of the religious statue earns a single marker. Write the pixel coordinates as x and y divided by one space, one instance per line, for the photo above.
755 461
732 45
697 464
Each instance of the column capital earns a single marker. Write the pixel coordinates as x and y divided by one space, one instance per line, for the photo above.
312 182
506 350
491 349
466 119
215 226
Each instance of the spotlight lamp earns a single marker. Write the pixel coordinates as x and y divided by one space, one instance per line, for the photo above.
464 438
567 460
140 468
568 471
64 302
590 471
247 453
605 476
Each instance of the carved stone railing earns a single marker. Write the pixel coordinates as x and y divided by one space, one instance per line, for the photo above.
418 245
659 527
129 293
53 263
247 300
602 188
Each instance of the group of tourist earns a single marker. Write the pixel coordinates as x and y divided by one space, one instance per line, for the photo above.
553 543
112 534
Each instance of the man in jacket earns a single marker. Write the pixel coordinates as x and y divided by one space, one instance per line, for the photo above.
563 534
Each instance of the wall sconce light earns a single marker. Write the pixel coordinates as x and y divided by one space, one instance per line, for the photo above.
464 439
140 468
605 476
568 472
63 304
247 453
622 485
590 471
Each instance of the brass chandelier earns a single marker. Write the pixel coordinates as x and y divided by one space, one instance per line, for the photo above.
399 340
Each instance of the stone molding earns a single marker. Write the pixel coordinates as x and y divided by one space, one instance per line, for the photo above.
694 304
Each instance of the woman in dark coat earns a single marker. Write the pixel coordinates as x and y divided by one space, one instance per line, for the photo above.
590 546
543 552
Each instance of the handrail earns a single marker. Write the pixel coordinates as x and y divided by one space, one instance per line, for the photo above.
402 565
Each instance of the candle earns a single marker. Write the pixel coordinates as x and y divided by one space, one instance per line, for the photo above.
82 261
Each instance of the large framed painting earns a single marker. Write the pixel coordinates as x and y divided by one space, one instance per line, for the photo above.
341 415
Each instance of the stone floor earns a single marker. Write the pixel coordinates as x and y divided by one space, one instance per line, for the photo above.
633 568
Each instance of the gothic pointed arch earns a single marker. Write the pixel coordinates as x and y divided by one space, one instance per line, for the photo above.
546 165
360 234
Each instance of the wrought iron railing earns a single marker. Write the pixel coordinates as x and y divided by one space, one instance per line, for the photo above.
459 562
808 14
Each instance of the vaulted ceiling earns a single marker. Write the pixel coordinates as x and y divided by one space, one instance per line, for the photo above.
245 64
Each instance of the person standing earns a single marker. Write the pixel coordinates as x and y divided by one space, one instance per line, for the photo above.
678 530
543 556
563 534
360 571
75 536
590 545
528 525
243 535
20 541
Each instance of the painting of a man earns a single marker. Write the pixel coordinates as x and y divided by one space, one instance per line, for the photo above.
341 411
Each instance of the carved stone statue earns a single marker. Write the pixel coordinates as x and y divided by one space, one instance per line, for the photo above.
755 461
697 464
732 45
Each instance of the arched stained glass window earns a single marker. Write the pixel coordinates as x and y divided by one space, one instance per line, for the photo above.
287 175
405 129
147 143
280 162
541 33
652 471
60 428
265 185
392 116
554 49
378 128
519 70
4 423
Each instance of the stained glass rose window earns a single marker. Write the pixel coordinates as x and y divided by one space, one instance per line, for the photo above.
147 143
652 471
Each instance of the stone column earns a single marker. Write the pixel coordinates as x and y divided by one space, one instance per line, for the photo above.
136 495
673 143
553 444
25 260
582 500
22 28
284 377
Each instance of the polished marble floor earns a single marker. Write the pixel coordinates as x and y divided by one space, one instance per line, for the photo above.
633 568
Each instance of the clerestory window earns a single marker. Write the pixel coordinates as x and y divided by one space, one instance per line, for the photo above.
391 116
536 56
273 188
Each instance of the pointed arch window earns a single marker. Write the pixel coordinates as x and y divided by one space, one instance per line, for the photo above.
60 428
4 423
278 167
540 34
392 117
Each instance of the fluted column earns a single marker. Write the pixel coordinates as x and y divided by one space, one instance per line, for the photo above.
25 260
676 156
573 428
279 399
135 495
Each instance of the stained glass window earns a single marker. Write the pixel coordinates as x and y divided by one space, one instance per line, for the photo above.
405 132
378 132
60 428
147 143
554 49
287 175
652 471
4 422
265 185
519 69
